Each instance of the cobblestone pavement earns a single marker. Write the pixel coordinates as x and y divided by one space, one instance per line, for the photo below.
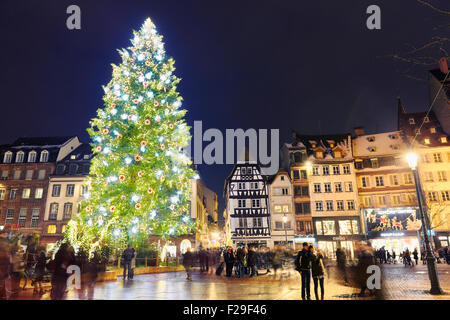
399 282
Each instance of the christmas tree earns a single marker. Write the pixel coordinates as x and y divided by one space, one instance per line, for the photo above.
139 181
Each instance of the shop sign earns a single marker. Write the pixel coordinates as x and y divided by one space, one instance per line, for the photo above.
339 238
392 219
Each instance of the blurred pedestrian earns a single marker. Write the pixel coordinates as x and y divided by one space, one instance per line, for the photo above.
366 258
5 267
228 257
63 259
416 256
341 260
39 272
18 268
251 262
317 272
188 260
133 264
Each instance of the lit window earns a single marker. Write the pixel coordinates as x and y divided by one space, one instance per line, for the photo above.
426 141
411 121
26 193
444 139
38 193
426 119
32 156
8 157
337 154
19 156
51 228
44 156
432 130
319 154
277 208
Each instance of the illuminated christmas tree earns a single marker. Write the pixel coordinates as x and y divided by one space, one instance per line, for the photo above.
139 177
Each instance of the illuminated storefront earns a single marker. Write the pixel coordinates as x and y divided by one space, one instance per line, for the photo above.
335 232
394 228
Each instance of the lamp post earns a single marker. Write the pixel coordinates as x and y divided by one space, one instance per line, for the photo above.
285 230
430 258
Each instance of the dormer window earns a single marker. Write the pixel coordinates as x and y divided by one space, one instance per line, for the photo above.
374 162
426 140
19 157
331 143
337 154
444 139
371 139
73 157
432 130
393 136
32 156
319 154
411 121
86 156
44 156
417 131
426 119
8 157
372 149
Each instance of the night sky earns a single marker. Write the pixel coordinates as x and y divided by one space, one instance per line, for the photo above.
312 66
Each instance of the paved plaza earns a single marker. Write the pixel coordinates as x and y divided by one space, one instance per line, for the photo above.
399 283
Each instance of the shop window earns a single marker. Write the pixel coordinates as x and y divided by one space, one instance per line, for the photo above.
51 229
345 227
328 227
319 228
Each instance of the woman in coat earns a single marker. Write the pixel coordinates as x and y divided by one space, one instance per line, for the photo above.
317 272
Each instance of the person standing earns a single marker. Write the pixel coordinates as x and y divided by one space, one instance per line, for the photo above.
63 259
127 256
251 262
133 264
240 256
341 260
394 256
317 272
188 260
228 257
303 265
366 258
39 272
416 256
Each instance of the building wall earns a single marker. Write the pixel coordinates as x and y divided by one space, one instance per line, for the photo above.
281 205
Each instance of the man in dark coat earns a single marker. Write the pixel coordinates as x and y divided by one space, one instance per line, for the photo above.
303 265
341 260
188 261
127 256
240 255
228 257
251 261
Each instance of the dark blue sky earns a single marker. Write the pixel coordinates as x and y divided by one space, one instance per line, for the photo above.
312 66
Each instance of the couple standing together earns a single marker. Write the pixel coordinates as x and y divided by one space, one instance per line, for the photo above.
310 263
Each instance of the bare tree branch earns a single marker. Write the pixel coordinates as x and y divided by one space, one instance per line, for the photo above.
425 3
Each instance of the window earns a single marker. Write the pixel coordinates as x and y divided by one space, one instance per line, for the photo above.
426 140
319 229
241 203
437 157
73 168
428 176
445 196
327 187
444 139
319 154
328 227
330 205
285 191
297 190
315 171
5 174
381 200
367 202
350 205
358 164
303 174
319 206
336 170
243 223
338 187
297 157
442 176
51 228
349 187
60 168
28 174
365 182
243 171
19 157
26 193
22 217
426 119
432 196
371 139
68 210
417 131
17 174
432 130
326 170
2 193
408 178
374 162
44 156
32 156
345 227
379 181
7 157
241 185
346 168
38 193
256 203
286 208
277 208
278 225
56 190
86 168
305 191
296 174
300 226
249 170
337 154
70 190
53 211
425 158
9 216
34 218
83 190
317 188
394 180
340 205
41 174
287 225
396 199
355 227
12 194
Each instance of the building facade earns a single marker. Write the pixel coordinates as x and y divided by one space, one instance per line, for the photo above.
281 209
386 190
25 167
247 204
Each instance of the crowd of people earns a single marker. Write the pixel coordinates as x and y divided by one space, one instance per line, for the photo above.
409 258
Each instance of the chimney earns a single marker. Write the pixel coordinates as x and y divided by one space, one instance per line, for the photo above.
359 131
443 65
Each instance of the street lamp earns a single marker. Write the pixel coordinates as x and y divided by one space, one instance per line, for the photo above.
285 230
431 260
